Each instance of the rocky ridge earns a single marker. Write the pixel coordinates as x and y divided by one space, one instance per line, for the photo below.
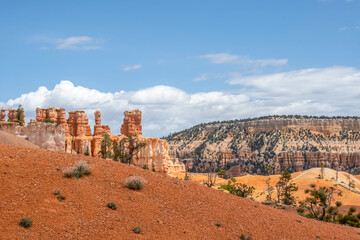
249 146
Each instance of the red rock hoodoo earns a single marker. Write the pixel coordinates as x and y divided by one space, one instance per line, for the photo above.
132 123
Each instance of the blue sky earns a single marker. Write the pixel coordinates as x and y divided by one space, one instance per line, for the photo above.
215 58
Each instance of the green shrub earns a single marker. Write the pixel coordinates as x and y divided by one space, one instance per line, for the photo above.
47 120
243 237
218 224
186 177
112 206
137 230
25 223
135 182
145 167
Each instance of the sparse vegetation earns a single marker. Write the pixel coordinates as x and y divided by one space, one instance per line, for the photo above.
211 179
111 205
25 222
80 169
218 224
243 237
186 177
269 190
105 151
285 189
87 153
221 173
137 230
319 201
145 167
126 149
19 115
60 197
47 120
135 182
239 189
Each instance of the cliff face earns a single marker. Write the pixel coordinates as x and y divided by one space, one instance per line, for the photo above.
284 143
45 135
53 131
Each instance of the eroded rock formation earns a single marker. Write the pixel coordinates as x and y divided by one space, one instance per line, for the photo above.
132 123
98 128
2 115
14 115
53 131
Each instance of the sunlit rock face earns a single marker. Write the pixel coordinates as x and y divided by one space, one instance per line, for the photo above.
45 135
250 145
132 123
53 131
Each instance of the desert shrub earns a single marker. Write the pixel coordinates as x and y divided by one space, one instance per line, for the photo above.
218 224
243 237
25 223
238 189
87 153
145 167
135 182
59 196
186 177
80 169
137 230
112 206
47 120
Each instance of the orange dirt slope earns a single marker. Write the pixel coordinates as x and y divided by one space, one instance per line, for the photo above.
167 208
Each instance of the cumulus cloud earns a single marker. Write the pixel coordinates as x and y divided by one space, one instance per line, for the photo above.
133 67
84 43
332 90
165 109
315 91
220 58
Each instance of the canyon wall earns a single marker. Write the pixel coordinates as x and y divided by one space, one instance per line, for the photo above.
249 146
323 125
45 135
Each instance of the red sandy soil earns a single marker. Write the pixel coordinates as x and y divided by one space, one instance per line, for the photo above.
166 208
10 139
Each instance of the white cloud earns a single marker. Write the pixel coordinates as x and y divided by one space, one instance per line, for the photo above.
202 77
83 43
333 90
315 91
220 58
343 28
207 76
133 67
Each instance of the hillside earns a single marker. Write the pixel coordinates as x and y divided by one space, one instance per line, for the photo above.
301 179
167 208
10 139
296 143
